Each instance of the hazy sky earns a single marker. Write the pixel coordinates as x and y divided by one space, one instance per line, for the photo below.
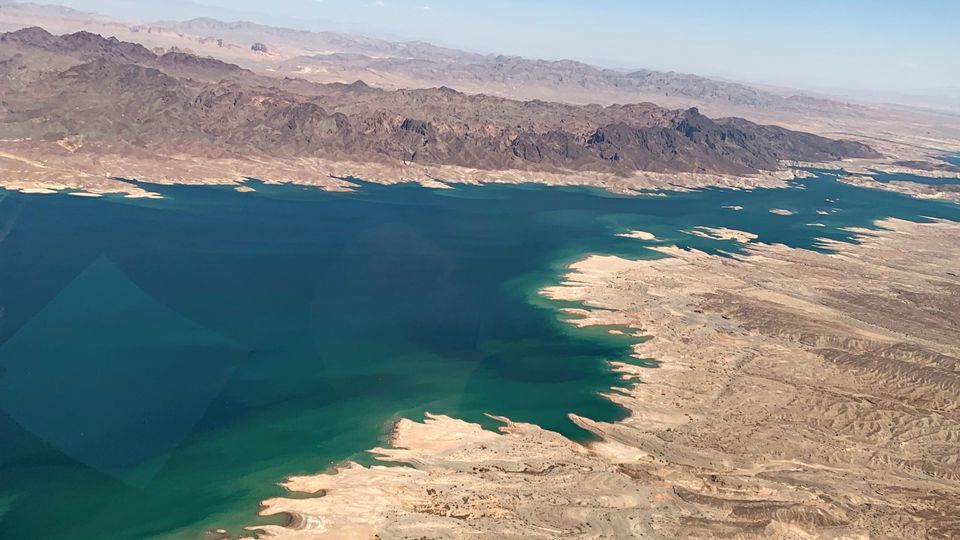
852 44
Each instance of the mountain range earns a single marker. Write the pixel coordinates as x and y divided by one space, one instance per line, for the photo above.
343 57
102 94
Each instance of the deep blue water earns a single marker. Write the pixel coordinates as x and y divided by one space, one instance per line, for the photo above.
163 363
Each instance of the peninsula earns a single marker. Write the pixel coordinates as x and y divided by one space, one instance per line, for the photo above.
787 403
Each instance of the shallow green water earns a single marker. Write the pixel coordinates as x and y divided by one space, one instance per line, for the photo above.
164 363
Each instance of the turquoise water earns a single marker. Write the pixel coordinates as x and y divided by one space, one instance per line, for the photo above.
932 180
953 159
163 363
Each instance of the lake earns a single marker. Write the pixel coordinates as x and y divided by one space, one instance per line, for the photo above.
164 363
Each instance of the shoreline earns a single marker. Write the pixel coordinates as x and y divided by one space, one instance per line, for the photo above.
918 190
32 165
465 480
860 173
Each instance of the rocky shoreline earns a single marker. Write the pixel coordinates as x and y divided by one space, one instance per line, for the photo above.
28 166
44 167
789 402
943 192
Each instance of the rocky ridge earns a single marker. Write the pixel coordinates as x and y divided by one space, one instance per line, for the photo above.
104 95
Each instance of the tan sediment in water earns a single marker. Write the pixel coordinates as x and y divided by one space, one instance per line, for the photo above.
639 235
798 395
722 233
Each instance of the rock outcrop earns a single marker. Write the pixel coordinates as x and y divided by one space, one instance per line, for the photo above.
124 97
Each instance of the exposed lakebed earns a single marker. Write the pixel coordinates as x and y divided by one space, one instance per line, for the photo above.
163 363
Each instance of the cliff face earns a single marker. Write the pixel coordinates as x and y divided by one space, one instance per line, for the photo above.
122 95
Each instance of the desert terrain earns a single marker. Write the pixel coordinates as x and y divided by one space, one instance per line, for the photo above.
786 402
774 393
319 107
